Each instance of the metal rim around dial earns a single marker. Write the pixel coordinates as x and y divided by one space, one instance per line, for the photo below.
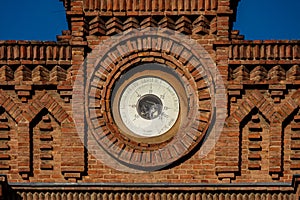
144 84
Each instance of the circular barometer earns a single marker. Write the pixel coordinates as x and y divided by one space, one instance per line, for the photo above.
148 103
149 106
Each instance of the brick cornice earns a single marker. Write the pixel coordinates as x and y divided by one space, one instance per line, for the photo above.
160 190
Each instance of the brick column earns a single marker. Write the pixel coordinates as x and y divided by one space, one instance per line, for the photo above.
73 157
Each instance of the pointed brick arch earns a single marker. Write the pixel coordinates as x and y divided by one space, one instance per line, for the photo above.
45 101
228 153
42 101
11 107
252 100
70 168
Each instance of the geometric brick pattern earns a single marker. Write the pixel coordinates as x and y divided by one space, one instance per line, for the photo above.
185 24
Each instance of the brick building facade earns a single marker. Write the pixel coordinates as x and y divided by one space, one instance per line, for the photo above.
42 155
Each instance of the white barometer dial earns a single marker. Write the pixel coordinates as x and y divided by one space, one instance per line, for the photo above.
149 106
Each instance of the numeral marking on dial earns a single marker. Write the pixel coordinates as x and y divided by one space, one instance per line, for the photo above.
138 94
136 117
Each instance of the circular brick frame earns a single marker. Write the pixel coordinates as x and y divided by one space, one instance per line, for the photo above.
122 55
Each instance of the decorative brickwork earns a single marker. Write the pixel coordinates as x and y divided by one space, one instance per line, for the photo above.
42 155
153 195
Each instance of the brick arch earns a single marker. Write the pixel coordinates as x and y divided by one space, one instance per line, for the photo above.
229 166
136 58
255 99
48 102
173 53
42 101
10 106
285 110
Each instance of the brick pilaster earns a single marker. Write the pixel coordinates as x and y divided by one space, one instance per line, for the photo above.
24 150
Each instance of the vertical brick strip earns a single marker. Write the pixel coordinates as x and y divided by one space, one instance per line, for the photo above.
24 150
73 158
223 27
275 151
73 163
227 150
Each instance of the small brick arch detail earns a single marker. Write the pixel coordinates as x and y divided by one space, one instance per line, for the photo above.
45 101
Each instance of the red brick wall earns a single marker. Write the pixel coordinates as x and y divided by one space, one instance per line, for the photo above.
259 142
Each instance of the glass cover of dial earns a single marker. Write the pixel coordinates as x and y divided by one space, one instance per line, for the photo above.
149 106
